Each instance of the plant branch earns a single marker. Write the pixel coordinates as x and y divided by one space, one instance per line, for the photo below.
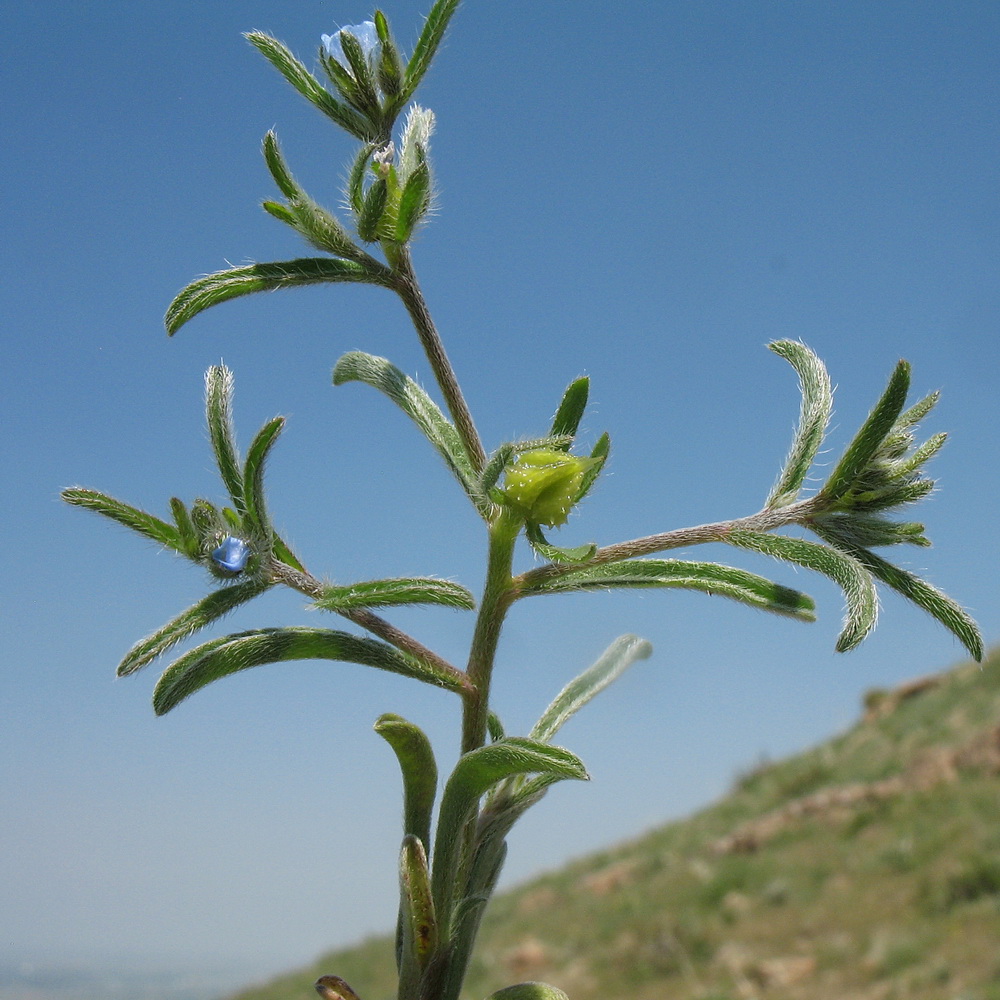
408 289
307 584
765 520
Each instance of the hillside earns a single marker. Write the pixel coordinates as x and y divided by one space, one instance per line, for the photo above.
867 868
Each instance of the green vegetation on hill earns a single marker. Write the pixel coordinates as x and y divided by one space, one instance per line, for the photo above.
867 868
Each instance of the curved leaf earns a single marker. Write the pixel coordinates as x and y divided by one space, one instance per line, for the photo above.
380 593
211 608
279 56
475 773
538 541
132 517
219 415
571 407
870 437
817 402
250 278
416 762
852 577
528 991
920 592
613 662
427 45
708 577
357 366
233 653
253 474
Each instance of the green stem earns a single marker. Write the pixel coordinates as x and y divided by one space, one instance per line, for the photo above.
306 583
497 598
408 289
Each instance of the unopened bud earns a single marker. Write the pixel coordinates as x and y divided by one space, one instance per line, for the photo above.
544 484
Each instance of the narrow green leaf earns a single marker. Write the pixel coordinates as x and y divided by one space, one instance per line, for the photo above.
870 437
253 474
710 578
613 662
528 991
381 374
219 414
538 541
132 517
356 178
365 96
419 770
309 87
601 450
238 281
427 44
414 202
185 528
278 168
372 210
475 773
847 572
209 609
814 416
282 552
570 412
382 593
857 530
317 225
924 595
417 920
233 653
281 212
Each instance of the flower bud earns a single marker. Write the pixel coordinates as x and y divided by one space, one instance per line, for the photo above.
232 555
544 484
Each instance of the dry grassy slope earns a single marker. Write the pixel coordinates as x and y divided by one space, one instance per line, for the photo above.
867 868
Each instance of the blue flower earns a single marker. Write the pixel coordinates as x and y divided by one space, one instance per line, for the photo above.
365 33
231 555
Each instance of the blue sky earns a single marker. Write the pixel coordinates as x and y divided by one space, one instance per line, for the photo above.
648 200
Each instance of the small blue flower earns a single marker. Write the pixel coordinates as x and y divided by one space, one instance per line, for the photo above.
231 555
365 33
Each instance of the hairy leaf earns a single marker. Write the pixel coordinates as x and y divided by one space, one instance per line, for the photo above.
847 572
219 414
571 408
708 577
427 45
381 374
870 437
233 653
419 769
132 517
613 662
475 773
250 278
209 609
309 87
381 593
253 474
817 402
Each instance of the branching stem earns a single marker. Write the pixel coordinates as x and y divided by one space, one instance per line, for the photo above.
408 289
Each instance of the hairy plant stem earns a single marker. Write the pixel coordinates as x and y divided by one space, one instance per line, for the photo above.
497 598
765 520
408 289
308 585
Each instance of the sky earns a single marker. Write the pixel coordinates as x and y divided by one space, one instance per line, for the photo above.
648 199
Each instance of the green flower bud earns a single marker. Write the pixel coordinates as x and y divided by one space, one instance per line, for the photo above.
544 484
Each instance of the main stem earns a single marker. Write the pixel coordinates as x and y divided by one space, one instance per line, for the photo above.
497 598
409 291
